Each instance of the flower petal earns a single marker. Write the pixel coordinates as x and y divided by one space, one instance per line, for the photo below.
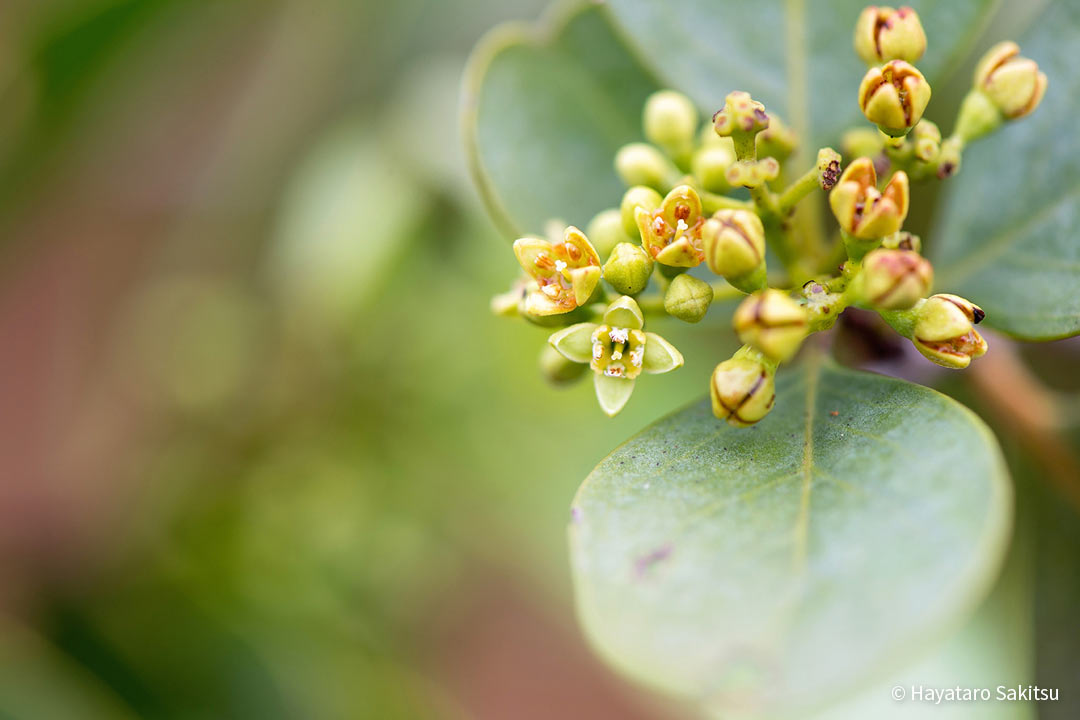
531 249
586 253
660 355
624 313
682 203
575 342
537 303
612 393
680 253
584 280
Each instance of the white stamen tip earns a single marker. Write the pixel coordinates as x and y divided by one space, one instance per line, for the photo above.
560 265
681 226
618 335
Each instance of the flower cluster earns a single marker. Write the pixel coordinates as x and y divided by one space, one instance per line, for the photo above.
714 195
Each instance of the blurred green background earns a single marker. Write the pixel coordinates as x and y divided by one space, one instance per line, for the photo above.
264 452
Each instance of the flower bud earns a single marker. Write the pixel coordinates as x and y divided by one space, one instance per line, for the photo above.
828 167
894 96
671 120
864 211
558 369
944 331
605 231
893 279
776 141
637 197
710 165
883 34
772 322
948 159
734 242
688 298
1013 84
628 269
861 142
903 240
927 138
642 164
753 173
742 389
740 114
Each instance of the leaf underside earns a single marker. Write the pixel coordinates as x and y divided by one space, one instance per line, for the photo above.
781 566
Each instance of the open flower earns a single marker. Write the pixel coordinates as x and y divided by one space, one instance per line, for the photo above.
863 210
617 350
945 331
672 232
565 273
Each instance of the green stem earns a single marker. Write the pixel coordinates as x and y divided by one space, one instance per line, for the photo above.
711 202
803 186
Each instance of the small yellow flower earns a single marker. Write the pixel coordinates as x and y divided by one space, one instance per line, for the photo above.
742 389
945 331
565 273
863 210
772 322
1013 83
672 232
883 34
894 97
894 279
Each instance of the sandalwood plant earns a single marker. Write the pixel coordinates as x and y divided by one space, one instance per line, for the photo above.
808 527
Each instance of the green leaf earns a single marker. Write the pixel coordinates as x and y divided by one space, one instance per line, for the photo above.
799 62
781 566
544 113
1008 238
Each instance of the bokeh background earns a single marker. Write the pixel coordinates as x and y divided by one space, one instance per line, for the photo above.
264 452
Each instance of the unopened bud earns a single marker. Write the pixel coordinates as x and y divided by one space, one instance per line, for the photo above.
642 164
628 269
742 389
828 167
893 279
883 34
753 173
948 160
902 240
944 331
772 322
671 120
710 165
927 139
637 197
1013 84
894 96
688 298
734 242
559 370
864 211
605 231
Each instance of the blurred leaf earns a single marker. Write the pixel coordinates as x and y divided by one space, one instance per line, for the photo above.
708 49
780 566
544 113
1009 232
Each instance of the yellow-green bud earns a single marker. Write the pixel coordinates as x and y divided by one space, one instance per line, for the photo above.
742 389
776 141
894 96
605 231
948 160
671 120
734 242
628 269
927 138
772 322
902 240
688 298
637 197
863 210
710 165
643 164
828 167
1014 84
861 142
559 370
893 279
753 173
740 114
944 331
883 34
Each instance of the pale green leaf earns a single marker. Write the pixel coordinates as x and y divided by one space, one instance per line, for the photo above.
1009 237
784 565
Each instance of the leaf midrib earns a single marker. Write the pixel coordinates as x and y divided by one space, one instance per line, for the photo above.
802 522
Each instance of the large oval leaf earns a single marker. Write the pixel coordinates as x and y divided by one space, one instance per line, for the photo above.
778 566
545 111
1009 237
